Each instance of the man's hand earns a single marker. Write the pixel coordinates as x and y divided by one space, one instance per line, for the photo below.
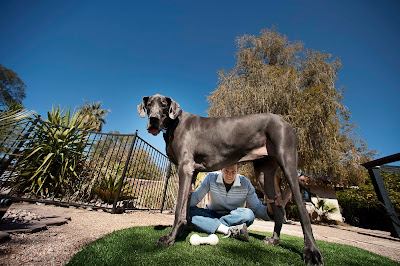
278 200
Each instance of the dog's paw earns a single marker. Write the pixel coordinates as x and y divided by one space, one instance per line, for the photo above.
271 241
313 256
165 241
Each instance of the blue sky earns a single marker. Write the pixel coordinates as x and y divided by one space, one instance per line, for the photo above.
117 52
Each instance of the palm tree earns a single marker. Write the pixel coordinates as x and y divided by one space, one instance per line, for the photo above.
11 115
93 116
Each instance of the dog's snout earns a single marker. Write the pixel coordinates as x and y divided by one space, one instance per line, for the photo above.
154 119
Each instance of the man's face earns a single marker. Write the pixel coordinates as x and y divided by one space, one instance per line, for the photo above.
229 173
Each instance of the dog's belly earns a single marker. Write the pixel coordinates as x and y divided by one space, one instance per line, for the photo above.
255 154
214 161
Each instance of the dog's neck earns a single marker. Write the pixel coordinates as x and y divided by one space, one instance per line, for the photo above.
168 135
172 124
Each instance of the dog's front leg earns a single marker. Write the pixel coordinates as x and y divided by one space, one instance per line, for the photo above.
185 178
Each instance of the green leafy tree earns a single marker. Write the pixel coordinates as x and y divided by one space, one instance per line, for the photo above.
12 88
273 74
110 155
93 116
113 152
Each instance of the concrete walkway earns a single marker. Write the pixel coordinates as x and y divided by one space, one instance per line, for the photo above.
378 242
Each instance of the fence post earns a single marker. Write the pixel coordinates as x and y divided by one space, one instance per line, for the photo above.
121 182
169 170
22 142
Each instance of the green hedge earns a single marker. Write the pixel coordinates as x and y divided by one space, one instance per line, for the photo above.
360 207
291 212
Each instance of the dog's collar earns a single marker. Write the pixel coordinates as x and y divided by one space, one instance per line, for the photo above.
171 124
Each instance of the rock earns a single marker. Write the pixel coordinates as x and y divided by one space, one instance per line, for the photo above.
4 236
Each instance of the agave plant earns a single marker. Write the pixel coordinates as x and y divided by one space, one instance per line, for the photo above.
324 209
108 188
51 159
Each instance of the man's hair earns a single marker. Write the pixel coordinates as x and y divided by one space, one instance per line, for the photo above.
237 166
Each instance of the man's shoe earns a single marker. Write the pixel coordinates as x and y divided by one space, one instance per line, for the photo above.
238 232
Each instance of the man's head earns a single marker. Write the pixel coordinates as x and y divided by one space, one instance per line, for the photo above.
159 110
229 173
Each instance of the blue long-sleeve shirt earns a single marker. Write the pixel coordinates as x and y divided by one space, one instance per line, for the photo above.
242 191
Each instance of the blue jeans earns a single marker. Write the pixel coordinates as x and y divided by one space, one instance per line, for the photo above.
208 221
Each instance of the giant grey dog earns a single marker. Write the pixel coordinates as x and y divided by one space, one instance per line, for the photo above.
201 144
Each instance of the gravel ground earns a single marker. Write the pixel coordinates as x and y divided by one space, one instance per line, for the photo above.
57 244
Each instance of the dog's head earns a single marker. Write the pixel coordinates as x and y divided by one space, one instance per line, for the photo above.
160 110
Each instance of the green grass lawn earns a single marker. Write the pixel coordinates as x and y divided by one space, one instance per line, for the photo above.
136 246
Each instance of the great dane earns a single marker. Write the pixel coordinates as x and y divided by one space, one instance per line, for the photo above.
203 144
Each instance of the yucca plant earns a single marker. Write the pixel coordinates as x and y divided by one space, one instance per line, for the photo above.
51 159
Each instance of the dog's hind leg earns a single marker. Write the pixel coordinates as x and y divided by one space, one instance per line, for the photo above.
265 170
287 160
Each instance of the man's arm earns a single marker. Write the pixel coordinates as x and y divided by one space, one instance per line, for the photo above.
259 209
199 194
255 204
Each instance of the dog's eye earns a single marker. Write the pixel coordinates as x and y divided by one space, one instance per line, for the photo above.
164 104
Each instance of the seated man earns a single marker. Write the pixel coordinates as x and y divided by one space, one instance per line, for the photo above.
226 213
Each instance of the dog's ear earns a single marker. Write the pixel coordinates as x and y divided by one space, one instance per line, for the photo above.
141 108
173 108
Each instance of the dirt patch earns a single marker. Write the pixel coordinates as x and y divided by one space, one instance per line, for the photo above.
57 244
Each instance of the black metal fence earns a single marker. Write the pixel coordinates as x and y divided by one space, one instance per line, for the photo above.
44 162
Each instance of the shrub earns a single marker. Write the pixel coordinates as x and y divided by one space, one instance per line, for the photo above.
291 212
360 207
108 188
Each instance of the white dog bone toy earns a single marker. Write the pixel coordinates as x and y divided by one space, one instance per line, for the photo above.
196 240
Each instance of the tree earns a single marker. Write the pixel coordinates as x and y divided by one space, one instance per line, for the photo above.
12 88
93 116
273 74
10 125
12 114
